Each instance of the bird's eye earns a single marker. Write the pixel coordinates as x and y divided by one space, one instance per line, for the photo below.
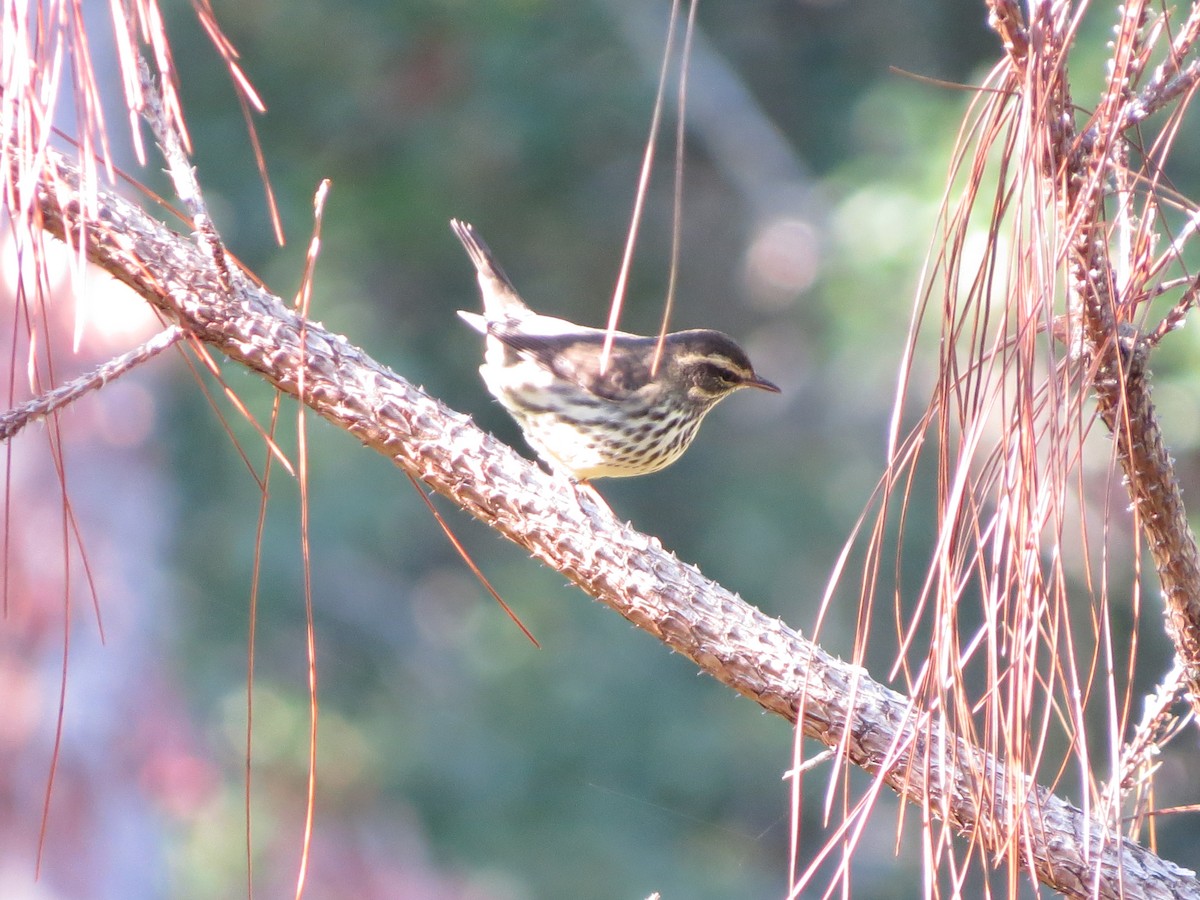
717 373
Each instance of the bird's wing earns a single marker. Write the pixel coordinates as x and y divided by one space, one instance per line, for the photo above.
475 320
575 358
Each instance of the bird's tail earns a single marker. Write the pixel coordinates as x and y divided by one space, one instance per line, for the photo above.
500 298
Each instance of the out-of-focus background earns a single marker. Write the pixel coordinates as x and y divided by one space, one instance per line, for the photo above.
455 760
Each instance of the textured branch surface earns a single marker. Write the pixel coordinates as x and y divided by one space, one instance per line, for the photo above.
1080 166
1123 394
14 420
876 728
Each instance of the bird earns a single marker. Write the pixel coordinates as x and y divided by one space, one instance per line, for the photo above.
583 415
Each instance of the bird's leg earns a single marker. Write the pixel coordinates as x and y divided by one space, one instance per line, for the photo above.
588 494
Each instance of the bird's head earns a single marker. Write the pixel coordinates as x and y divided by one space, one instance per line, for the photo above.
708 365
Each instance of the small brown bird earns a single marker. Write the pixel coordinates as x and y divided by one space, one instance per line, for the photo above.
624 420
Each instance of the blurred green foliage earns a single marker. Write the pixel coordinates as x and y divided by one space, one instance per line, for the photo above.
599 766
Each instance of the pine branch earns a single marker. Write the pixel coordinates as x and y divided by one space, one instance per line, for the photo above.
839 705
1078 167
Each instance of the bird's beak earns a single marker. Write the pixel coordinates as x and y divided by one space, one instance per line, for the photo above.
761 383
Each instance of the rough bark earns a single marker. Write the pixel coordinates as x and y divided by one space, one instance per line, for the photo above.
760 657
